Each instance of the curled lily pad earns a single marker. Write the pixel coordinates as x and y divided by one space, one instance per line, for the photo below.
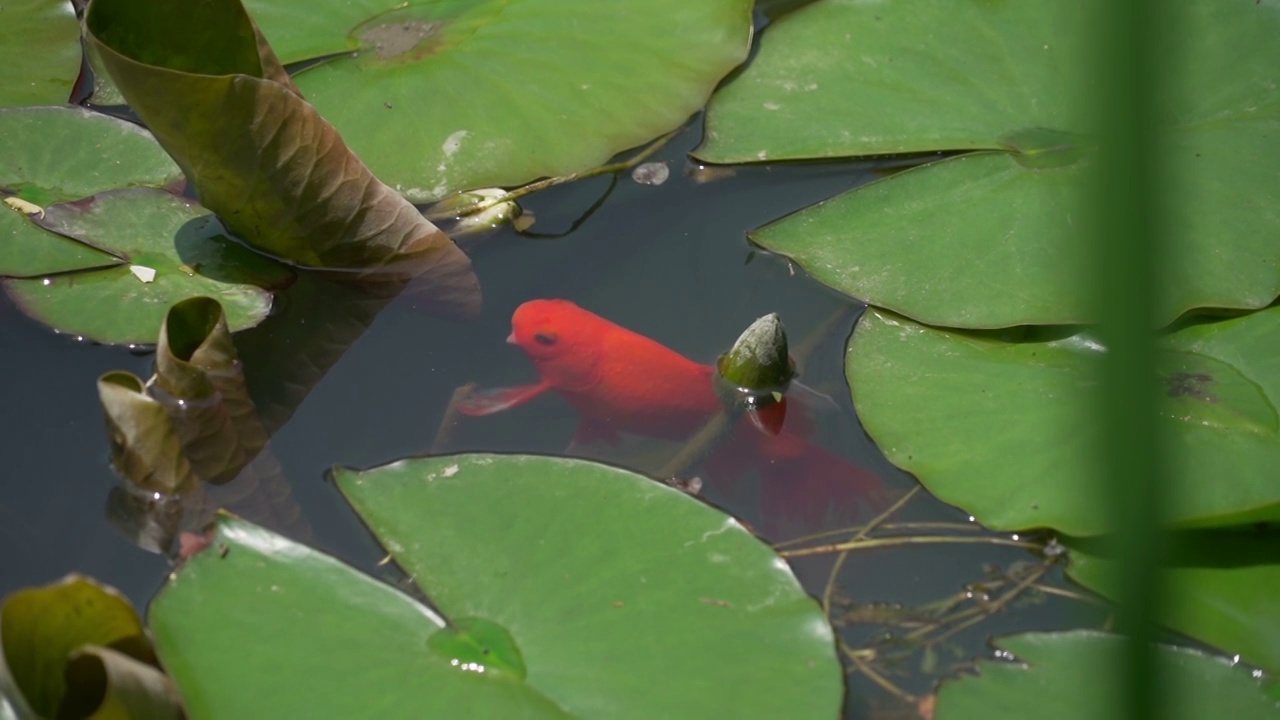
41 628
991 239
1001 424
145 449
195 421
56 154
198 367
500 93
150 230
42 55
276 173
701 606
105 683
1076 674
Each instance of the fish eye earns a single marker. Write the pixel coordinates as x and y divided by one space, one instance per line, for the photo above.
544 339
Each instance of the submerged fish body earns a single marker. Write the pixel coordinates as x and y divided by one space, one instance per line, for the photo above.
620 381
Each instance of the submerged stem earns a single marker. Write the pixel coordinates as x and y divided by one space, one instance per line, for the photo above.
861 535
907 540
913 525
872 674
973 615
444 433
692 452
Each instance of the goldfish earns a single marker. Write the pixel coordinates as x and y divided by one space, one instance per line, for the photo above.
621 382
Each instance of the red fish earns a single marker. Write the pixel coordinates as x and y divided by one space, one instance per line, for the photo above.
622 382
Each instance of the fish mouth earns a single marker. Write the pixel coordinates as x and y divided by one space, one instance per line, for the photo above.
511 339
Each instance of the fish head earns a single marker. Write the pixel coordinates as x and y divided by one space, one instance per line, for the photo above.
561 339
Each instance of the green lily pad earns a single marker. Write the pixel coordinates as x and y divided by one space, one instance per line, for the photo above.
57 154
276 173
610 584
1002 425
1221 587
909 241
991 239
41 53
1071 675
255 612
41 627
499 93
179 240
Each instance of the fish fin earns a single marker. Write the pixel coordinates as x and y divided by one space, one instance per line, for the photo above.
811 400
590 433
495 400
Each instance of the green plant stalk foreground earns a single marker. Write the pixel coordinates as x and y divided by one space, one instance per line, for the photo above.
1126 242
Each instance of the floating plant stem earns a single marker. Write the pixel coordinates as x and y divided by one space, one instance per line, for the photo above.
452 211
860 535
908 540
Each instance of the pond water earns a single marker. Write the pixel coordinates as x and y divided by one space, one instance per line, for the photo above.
670 261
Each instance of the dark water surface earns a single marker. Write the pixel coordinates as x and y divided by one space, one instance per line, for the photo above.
671 262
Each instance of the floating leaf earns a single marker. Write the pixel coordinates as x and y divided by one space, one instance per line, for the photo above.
838 79
55 154
915 243
702 608
992 239
41 55
500 93
181 241
1078 674
1220 587
41 627
1003 425
355 643
277 174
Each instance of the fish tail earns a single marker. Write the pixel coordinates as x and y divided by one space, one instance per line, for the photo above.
814 491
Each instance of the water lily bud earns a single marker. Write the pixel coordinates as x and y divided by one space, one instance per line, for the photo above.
758 361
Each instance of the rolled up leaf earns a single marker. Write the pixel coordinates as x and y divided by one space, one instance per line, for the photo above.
41 627
103 683
145 449
277 174
198 369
